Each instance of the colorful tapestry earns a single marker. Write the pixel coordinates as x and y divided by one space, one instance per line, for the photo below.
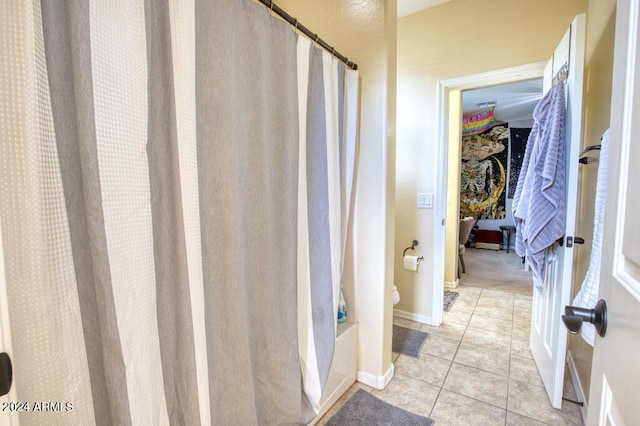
517 144
478 123
483 173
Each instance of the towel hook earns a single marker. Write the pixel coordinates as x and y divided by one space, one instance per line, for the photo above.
586 160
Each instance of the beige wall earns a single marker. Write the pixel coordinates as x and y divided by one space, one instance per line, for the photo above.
458 38
365 32
597 100
453 184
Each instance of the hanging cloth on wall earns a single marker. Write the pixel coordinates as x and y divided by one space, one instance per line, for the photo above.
587 297
539 201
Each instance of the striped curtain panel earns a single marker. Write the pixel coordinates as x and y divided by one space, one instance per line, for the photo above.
176 185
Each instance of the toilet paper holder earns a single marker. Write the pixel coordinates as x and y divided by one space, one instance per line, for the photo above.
414 243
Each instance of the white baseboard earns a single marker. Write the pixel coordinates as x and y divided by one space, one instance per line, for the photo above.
413 317
376 382
573 372
452 284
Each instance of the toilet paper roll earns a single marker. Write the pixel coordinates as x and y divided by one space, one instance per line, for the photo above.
411 263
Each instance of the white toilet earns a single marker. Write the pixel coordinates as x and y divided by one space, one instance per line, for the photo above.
396 295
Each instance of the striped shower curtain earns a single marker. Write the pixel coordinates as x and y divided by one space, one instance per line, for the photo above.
175 185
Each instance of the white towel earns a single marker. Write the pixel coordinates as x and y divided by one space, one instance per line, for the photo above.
587 297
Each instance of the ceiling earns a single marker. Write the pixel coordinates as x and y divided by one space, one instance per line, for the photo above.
407 7
514 101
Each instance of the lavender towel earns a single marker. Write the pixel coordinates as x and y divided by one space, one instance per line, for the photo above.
540 198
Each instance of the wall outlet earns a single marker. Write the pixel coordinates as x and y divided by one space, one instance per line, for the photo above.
425 201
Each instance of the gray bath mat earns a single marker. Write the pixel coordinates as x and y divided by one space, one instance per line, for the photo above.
408 341
365 409
449 298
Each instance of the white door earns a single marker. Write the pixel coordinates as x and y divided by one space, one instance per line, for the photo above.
548 334
614 396
8 416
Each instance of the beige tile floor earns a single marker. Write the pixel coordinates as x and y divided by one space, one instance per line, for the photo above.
475 369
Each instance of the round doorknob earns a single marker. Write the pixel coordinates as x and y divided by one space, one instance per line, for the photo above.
6 373
575 316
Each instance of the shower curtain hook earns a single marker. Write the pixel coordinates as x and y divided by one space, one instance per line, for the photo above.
271 9
315 42
295 27
333 52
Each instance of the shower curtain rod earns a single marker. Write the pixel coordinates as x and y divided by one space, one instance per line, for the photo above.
272 7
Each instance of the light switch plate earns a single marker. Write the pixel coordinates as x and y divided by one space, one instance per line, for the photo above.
425 201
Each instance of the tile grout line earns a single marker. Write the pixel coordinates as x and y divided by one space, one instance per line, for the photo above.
451 365
506 402
452 362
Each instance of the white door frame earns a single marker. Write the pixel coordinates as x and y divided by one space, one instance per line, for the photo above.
473 81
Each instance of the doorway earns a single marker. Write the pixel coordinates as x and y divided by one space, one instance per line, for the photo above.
497 120
488 329
450 93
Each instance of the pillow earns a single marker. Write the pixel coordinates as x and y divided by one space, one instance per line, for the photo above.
478 123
